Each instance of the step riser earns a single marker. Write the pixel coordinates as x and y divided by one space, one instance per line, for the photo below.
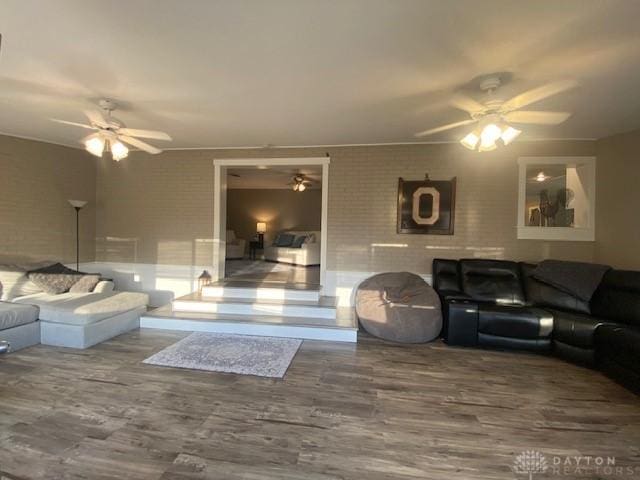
283 310
262 293
305 333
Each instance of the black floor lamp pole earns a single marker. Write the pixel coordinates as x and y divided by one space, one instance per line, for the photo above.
77 205
77 237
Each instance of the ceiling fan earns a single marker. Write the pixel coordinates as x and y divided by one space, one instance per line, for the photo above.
300 183
495 116
110 133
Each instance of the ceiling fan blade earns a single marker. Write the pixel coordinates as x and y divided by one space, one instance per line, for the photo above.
445 127
540 118
134 132
139 144
96 118
75 124
467 104
537 94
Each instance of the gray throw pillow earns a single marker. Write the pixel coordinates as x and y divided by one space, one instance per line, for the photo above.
86 284
299 241
285 240
55 279
54 283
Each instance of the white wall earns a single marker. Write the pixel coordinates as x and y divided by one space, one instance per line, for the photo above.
163 283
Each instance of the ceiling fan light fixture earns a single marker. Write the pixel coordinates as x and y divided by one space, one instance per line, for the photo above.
541 177
470 140
509 134
302 187
490 133
119 151
95 146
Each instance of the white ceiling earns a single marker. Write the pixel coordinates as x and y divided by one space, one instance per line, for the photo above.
272 177
310 72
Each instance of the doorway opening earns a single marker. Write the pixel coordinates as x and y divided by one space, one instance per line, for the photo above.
270 221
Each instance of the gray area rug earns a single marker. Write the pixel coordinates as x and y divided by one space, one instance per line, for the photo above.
221 352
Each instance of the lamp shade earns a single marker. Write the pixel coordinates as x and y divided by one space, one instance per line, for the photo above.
78 203
261 227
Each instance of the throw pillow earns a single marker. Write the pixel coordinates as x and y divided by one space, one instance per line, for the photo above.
275 240
86 284
285 240
311 238
15 283
55 279
297 243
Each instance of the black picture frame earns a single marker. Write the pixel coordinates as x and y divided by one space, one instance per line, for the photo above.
429 222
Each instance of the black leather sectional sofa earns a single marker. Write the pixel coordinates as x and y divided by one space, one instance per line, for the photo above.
499 303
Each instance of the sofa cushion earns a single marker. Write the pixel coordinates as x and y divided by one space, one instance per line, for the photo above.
492 281
14 315
618 297
14 282
86 284
84 308
544 295
285 240
445 275
514 321
576 329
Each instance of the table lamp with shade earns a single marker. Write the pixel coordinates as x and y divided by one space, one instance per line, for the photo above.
261 228
78 205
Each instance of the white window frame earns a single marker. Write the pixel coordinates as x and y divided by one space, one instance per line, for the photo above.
583 234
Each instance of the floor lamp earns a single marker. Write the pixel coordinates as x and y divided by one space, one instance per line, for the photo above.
78 204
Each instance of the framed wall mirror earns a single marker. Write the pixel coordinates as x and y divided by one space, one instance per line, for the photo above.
556 198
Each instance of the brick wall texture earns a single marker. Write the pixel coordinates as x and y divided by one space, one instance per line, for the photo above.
36 180
159 209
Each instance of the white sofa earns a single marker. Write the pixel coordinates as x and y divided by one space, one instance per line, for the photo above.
19 325
308 254
234 246
76 320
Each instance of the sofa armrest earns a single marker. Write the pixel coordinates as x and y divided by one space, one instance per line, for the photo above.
241 242
312 247
461 326
104 286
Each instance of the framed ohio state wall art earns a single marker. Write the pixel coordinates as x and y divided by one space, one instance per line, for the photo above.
426 206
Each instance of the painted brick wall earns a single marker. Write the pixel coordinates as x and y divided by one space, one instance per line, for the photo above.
158 209
36 180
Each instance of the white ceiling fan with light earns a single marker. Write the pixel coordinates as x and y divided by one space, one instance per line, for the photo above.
495 117
110 134
300 183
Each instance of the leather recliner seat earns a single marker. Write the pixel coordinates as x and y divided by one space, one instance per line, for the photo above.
499 303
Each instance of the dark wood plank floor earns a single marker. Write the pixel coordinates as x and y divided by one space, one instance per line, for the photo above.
371 411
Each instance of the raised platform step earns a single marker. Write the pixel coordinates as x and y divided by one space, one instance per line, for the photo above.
262 290
343 328
324 307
